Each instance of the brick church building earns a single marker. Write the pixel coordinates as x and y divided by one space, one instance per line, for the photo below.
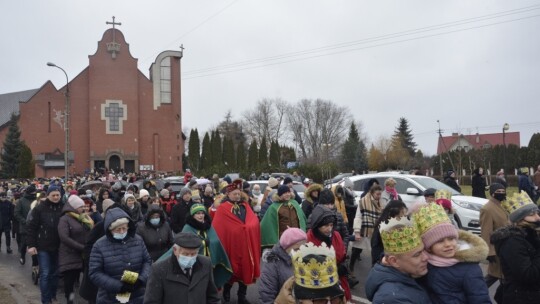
118 118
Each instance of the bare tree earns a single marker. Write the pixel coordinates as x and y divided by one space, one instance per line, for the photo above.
266 120
317 126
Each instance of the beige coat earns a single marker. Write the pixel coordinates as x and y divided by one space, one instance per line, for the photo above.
492 217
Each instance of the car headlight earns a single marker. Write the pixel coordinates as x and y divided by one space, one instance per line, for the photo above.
469 205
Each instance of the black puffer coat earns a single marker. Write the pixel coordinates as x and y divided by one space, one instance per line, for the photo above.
42 229
518 248
158 239
110 257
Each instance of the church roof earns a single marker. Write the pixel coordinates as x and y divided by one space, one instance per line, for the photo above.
9 103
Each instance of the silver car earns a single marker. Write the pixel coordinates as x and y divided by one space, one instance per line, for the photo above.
411 189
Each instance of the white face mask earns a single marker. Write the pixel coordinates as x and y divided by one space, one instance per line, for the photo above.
120 236
186 262
256 192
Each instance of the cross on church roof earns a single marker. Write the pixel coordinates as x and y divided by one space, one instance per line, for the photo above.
113 47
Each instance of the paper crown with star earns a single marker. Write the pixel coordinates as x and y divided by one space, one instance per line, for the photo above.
429 216
518 206
315 267
399 236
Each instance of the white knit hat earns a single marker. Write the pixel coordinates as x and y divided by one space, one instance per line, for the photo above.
75 202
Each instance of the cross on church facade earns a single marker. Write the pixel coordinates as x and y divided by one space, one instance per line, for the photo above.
114 112
113 46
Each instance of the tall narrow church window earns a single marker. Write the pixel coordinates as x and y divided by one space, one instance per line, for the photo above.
49 121
166 80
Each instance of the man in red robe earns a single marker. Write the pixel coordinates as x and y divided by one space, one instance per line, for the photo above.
238 229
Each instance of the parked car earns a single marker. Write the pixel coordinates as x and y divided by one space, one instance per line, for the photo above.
297 186
280 175
411 189
337 178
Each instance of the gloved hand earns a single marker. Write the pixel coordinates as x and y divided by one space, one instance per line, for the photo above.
138 284
491 259
126 287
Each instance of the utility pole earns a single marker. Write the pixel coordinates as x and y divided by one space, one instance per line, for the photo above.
440 154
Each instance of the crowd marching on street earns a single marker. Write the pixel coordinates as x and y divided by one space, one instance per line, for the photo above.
123 243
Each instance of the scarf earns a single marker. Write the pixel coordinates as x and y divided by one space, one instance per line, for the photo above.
392 192
371 210
82 218
439 261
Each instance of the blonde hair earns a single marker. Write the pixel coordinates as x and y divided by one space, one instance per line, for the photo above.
390 182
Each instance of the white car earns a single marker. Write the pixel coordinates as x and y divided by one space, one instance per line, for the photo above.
411 189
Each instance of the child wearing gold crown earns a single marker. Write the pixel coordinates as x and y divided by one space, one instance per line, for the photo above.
454 275
518 248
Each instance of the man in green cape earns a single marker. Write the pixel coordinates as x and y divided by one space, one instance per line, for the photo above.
284 212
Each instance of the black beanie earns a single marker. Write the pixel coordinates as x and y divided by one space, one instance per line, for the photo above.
326 197
494 187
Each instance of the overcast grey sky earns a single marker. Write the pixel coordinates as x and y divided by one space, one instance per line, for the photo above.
473 75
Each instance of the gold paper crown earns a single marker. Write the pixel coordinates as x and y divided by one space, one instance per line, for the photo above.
524 170
399 236
314 274
443 194
516 201
429 216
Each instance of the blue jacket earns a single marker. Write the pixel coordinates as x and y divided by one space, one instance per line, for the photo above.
464 281
110 257
388 285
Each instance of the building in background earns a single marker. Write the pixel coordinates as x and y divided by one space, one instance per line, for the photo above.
475 141
119 119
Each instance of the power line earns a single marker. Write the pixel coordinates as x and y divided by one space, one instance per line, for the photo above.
367 40
197 26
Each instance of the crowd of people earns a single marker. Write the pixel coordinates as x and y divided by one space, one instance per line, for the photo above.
149 245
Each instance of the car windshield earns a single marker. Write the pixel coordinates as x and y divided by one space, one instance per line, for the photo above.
299 188
435 184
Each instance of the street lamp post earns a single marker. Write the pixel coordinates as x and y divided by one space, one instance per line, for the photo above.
66 122
505 128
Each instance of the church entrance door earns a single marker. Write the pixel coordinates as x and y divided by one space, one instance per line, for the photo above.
114 163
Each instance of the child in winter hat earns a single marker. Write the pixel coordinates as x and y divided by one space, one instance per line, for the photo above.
453 258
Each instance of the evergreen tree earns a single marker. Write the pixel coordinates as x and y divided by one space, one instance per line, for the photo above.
240 157
194 147
229 157
253 156
287 154
216 143
263 153
534 150
12 149
403 138
275 155
206 153
353 153
26 167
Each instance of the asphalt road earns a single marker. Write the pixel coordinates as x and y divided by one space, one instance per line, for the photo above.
17 278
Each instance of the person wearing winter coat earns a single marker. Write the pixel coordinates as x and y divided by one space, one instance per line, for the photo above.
393 279
73 228
327 200
454 275
450 180
22 208
6 217
322 225
156 233
180 211
278 267
120 250
200 224
367 214
311 198
518 248
525 182
492 217
339 195
43 241
144 200
478 183
103 195
350 204
389 193
184 277
133 207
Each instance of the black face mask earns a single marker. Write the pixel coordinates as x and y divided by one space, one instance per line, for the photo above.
500 196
